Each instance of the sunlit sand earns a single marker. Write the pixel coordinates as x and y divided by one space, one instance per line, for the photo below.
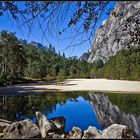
76 85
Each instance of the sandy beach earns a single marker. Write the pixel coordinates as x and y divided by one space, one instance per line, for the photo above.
75 85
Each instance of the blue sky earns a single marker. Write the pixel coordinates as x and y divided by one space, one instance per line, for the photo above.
8 24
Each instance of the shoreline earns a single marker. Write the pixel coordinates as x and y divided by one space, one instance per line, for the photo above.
75 85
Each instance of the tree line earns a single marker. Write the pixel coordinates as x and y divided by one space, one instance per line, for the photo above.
23 63
125 65
19 62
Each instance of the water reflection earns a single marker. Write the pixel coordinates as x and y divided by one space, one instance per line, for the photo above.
75 107
12 106
79 108
109 113
78 114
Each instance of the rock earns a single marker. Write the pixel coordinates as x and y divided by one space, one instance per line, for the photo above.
117 32
1 135
22 129
117 131
91 133
4 124
45 125
75 133
56 136
59 122
50 135
84 57
63 136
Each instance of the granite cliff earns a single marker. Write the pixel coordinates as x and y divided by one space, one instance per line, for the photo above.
121 30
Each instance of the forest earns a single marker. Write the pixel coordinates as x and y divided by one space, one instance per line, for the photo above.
125 65
27 63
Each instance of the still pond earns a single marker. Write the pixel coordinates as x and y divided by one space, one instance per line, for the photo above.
76 107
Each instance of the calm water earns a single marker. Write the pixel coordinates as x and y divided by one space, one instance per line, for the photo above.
75 107
77 113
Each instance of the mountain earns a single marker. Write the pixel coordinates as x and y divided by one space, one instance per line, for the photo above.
23 42
36 44
119 31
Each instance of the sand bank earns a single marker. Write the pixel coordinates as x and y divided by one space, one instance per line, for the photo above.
75 85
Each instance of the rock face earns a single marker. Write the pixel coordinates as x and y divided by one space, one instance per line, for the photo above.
44 125
4 124
109 114
92 133
75 133
49 127
36 44
20 130
59 122
84 57
56 136
117 131
117 32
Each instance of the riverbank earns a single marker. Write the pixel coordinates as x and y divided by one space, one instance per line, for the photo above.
103 85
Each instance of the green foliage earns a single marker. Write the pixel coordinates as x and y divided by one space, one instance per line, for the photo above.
98 64
61 76
17 61
88 13
93 72
27 105
49 77
12 59
128 103
124 65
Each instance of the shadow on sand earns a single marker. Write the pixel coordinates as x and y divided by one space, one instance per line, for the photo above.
22 89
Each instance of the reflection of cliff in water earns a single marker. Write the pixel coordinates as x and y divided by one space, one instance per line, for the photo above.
108 114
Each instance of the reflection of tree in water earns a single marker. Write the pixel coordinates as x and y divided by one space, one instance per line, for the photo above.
116 108
14 107
11 105
129 103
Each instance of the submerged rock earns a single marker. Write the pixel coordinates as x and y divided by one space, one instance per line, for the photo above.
117 131
91 133
22 129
